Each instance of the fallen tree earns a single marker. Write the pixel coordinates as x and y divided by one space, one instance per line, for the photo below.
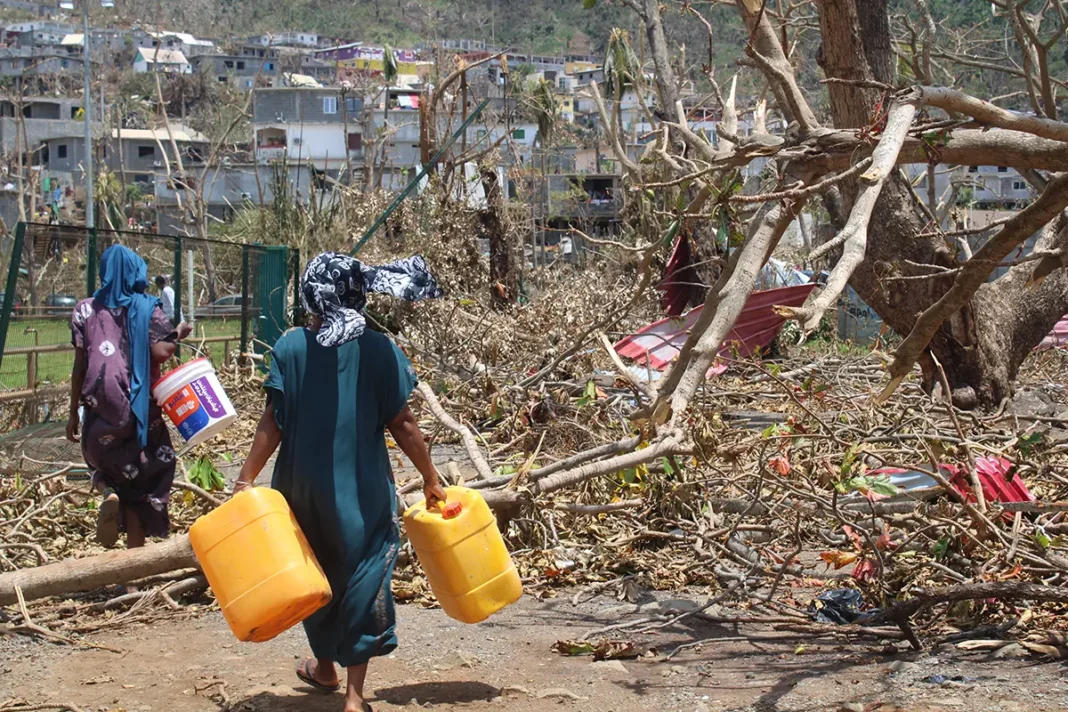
94 572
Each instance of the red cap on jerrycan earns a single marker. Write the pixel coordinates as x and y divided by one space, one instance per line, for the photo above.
451 510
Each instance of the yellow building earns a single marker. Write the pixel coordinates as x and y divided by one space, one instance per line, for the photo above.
573 68
566 102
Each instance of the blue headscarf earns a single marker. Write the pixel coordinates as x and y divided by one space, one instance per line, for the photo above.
123 281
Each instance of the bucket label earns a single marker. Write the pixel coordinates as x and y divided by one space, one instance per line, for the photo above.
183 408
206 394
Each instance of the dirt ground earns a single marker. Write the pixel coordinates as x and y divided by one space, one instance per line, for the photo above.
183 662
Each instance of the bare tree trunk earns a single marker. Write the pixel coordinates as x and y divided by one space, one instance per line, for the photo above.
122 163
856 46
369 151
504 277
196 196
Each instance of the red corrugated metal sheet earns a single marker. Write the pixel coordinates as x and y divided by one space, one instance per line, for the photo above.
659 343
679 278
1058 338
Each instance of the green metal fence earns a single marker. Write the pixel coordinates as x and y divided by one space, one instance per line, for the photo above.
237 296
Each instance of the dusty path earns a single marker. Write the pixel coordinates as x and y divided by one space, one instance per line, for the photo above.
170 666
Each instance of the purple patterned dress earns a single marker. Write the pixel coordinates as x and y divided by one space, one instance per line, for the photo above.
140 477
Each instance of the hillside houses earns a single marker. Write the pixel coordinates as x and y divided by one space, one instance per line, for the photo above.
319 102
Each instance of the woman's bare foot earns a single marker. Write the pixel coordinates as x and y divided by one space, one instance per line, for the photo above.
107 521
354 701
319 673
356 705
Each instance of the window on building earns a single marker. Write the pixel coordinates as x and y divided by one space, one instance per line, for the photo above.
1003 169
146 151
973 169
61 150
269 66
222 79
240 65
355 142
351 105
519 134
329 104
228 63
1019 185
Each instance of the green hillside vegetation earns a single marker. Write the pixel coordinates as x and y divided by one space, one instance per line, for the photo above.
548 26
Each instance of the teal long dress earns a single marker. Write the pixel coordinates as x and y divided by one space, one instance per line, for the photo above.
332 405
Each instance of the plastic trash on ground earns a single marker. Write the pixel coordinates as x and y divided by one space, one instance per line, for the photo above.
840 606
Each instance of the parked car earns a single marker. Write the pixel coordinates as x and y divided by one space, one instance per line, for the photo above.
17 309
229 305
59 304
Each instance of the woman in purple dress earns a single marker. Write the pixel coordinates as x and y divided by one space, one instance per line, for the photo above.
121 337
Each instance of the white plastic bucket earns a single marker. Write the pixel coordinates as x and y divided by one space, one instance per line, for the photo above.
195 401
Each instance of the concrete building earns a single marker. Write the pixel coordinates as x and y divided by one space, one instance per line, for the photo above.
44 118
236 185
307 124
363 59
459 45
182 42
322 71
100 40
41 33
286 39
143 151
166 61
37 61
33 8
238 70
259 53
977 187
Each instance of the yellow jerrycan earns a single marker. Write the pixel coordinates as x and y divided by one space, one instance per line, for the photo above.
463 555
259 565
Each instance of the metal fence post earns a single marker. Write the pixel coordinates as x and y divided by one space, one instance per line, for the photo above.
177 279
298 306
244 299
11 285
90 264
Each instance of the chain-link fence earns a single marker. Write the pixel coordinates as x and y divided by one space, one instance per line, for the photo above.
238 297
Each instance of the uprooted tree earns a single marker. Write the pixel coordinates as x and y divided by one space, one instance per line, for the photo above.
922 280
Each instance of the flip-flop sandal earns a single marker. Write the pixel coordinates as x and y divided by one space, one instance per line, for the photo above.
107 521
306 676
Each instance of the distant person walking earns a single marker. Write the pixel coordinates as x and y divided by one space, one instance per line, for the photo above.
120 338
166 296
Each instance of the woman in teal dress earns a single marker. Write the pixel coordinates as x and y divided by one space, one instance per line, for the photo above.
333 389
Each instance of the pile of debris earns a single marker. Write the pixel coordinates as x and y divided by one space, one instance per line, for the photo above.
785 493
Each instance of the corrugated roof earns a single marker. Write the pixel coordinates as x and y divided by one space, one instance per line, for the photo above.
302 80
162 56
185 37
180 133
658 345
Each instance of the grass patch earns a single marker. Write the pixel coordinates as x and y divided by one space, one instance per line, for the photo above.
55 368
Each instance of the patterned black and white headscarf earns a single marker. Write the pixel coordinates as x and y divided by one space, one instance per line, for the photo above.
335 286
